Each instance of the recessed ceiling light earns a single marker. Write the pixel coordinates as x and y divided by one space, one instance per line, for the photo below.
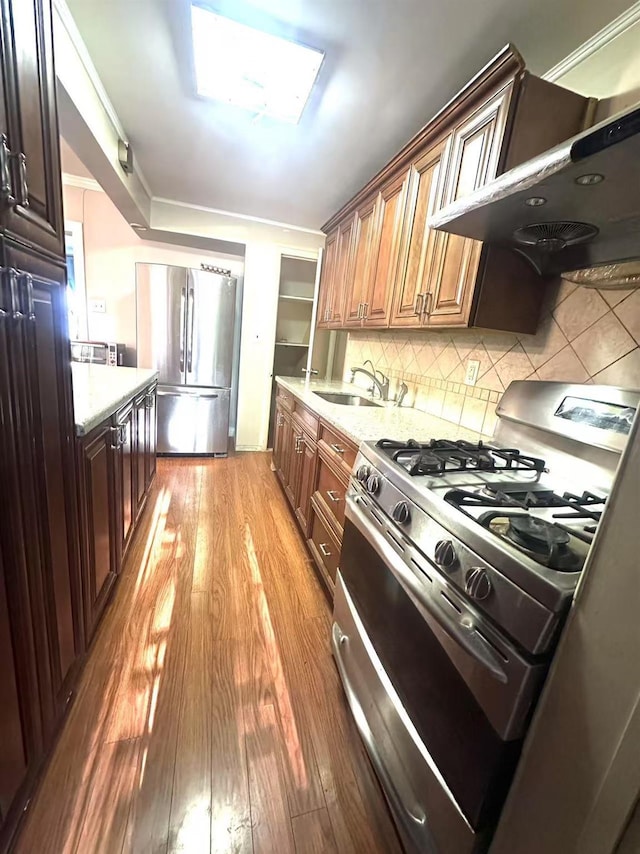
251 69
587 180
535 201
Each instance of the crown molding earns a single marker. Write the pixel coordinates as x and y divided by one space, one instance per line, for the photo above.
82 183
286 226
602 38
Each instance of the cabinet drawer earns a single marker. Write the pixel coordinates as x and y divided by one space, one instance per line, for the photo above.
330 491
338 447
284 398
324 547
307 418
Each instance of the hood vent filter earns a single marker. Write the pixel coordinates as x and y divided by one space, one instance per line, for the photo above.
554 236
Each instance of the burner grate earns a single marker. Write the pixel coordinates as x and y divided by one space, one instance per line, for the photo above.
441 456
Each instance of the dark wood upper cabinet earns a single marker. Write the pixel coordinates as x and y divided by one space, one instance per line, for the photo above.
327 279
385 251
358 286
341 280
31 203
402 274
418 255
475 152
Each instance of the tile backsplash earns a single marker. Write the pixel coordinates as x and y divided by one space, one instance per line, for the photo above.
584 336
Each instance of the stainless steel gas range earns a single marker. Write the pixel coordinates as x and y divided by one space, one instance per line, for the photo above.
459 563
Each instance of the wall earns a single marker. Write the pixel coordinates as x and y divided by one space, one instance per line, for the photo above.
112 249
584 335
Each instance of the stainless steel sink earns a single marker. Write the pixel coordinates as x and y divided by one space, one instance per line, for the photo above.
345 399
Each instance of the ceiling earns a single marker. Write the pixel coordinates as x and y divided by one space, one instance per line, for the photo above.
389 66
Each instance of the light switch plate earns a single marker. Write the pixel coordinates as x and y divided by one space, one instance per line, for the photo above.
97 306
473 367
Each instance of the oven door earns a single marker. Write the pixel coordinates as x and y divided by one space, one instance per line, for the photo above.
440 697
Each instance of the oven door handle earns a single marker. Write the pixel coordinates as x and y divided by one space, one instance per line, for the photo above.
414 819
426 601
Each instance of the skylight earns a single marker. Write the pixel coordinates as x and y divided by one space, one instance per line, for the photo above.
251 69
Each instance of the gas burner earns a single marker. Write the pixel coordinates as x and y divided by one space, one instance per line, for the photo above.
441 456
545 542
534 497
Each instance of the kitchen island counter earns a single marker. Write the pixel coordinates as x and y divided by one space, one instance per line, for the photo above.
370 423
99 390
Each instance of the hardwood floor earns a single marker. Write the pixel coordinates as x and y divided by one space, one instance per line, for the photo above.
210 717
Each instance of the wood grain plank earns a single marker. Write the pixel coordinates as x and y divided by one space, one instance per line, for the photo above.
190 826
109 803
272 833
312 833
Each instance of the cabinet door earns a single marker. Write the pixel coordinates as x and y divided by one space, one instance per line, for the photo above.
385 253
13 749
125 478
139 462
306 476
293 472
356 294
151 433
34 210
343 274
54 435
278 440
97 453
327 279
419 258
474 160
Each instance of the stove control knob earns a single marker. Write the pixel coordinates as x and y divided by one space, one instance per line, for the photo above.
363 473
477 583
373 484
445 554
401 513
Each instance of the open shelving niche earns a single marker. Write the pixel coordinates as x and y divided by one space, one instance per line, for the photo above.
295 335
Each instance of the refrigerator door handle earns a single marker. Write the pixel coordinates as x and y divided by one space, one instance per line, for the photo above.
190 316
183 298
186 394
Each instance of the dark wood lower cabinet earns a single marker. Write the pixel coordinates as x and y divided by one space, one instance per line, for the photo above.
313 462
116 461
98 521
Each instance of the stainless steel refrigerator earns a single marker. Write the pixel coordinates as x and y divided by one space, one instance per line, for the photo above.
185 324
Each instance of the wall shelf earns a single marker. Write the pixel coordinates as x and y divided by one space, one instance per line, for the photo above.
294 298
290 344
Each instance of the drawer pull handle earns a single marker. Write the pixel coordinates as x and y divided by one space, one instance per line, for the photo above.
323 548
337 448
333 496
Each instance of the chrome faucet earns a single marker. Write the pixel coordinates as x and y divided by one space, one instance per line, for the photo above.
381 384
402 391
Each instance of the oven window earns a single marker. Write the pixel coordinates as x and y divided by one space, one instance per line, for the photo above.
475 762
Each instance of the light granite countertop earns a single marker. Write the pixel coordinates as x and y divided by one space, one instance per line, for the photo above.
99 390
370 423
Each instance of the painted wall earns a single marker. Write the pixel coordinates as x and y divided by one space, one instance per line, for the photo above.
112 249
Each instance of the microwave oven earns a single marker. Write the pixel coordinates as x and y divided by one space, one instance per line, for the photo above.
98 353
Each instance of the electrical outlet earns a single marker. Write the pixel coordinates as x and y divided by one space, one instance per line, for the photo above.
473 367
97 306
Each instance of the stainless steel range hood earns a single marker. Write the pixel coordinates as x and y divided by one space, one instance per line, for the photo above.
576 206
